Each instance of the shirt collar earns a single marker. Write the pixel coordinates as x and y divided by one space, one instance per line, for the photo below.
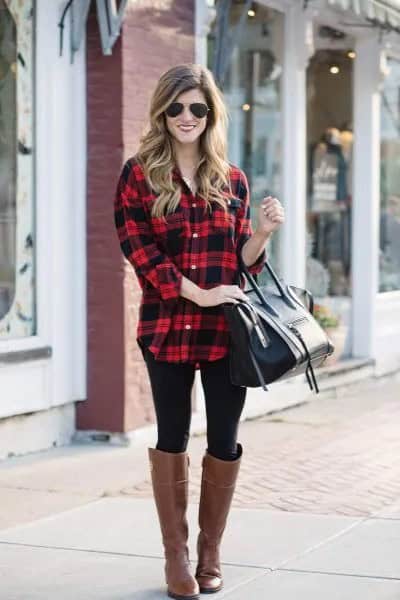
176 174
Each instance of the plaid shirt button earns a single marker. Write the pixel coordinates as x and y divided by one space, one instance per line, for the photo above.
195 235
194 204
194 266
187 326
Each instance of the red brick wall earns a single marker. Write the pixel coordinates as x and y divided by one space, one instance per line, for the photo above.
154 37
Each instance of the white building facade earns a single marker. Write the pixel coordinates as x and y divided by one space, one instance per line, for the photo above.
42 229
313 91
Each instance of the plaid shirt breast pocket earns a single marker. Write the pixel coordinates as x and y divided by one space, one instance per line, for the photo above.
225 222
169 231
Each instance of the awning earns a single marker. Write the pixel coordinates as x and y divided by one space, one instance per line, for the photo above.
384 12
110 14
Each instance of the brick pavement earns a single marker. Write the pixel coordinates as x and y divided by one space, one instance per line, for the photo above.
337 455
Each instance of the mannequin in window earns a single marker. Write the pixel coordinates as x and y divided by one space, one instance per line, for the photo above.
346 142
328 171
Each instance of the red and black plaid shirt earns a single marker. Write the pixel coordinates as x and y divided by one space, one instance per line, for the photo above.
189 242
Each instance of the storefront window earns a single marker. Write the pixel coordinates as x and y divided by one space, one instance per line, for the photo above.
17 306
330 142
329 182
389 245
252 90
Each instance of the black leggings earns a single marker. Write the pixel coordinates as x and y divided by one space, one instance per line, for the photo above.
171 385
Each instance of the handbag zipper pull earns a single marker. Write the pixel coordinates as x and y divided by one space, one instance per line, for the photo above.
260 335
257 328
309 365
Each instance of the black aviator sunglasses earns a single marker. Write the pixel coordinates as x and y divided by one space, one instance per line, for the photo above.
198 109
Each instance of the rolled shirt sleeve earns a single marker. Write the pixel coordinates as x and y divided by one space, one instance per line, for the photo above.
137 242
244 229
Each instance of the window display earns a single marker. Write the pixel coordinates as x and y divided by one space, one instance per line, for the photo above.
17 305
330 143
389 245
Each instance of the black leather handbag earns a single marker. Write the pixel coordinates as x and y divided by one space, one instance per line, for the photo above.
274 334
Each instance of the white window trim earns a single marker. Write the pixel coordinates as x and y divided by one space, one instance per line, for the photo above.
60 102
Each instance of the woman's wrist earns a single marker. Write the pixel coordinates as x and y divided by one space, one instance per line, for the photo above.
191 291
262 235
254 246
199 296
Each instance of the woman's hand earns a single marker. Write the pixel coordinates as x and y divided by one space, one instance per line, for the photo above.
221 294
270 214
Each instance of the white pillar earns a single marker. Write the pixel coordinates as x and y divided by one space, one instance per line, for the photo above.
204 16
298 49
365 211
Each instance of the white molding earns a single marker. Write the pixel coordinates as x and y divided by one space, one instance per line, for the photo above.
29 343
27 388
64 160
203 17
38 431
293 240
366 199
78 280
45 47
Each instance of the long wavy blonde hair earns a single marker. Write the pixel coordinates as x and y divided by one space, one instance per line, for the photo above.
156 152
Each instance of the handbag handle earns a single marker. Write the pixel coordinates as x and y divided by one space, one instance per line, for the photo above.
309 298
256 288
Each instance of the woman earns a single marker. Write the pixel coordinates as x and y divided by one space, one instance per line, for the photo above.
182 214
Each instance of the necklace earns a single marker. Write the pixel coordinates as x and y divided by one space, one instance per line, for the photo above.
189 182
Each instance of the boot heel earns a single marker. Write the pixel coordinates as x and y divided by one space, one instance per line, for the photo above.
213 591
178 597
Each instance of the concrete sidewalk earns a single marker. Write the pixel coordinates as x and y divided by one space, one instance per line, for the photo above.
110 549
79 522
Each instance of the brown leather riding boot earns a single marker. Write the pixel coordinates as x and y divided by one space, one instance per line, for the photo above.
169 474
217 488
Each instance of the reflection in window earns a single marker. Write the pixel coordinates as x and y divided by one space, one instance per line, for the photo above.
252 91
8 157
17 306
389 256
329 181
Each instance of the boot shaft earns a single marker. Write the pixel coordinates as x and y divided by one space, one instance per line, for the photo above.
217 488
170 480
218 485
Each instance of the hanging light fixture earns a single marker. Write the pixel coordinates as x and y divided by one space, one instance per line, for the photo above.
334 69
251 11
